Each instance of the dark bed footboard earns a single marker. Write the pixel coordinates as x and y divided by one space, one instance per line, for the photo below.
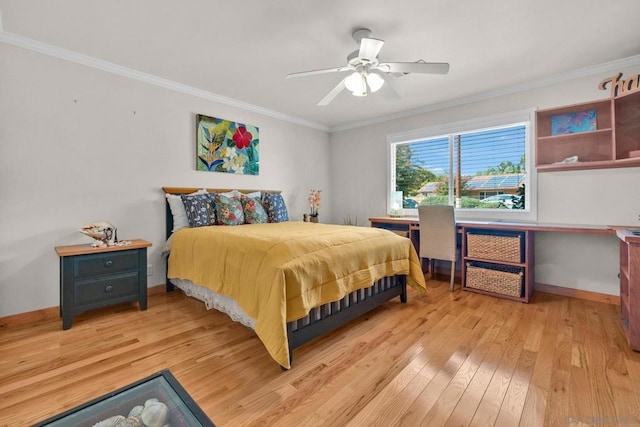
328 317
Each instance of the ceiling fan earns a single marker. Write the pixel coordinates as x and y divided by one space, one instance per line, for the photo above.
368 74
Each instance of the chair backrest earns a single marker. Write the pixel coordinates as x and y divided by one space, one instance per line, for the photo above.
438 233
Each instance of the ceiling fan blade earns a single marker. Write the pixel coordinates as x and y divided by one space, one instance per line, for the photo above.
414 67
370 48
388 90
333 93
322 71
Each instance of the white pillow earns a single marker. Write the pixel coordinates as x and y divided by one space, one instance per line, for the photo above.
180 219
237 194
233 194
254 195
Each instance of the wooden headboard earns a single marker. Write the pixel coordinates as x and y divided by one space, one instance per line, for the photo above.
188 190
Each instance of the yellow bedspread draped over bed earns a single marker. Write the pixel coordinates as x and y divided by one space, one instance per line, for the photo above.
278 272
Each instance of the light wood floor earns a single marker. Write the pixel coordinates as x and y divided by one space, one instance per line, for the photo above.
442 359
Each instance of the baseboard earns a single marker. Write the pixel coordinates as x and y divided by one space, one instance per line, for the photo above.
30 316
157 289
54 312
578 293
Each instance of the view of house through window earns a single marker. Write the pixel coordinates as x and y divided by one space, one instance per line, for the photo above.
483 169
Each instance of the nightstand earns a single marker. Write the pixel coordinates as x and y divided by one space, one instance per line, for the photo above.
98 277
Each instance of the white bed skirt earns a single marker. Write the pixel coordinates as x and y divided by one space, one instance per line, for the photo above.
215 300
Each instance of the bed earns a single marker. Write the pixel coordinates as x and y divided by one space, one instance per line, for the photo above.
291 281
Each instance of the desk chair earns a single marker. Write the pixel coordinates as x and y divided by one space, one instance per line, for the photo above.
438 236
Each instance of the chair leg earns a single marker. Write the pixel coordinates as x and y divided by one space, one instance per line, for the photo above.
453 273
432 266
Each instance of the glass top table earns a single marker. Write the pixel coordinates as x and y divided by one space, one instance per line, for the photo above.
156 400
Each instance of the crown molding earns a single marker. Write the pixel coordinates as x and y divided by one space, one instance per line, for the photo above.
558 78
71 56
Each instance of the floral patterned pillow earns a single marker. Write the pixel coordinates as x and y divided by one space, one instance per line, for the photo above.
199 209
254 213
178 211
228 210
275 207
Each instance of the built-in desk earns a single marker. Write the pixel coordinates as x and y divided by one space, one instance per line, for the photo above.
408 223
507 271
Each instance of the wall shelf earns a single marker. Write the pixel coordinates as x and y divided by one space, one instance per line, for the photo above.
617 134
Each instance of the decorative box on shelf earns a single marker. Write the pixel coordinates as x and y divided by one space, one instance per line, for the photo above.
495 278
494 247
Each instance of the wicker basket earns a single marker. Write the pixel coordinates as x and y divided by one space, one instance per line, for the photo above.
500 279
494 247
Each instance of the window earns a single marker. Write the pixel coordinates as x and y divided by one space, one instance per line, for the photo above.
484 171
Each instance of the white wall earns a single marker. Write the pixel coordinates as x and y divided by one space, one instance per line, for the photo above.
78 145
611 197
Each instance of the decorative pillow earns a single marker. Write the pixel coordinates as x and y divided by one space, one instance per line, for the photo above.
200 209
233 194
237 194
180 219
275 207
228 210
254 195
254 213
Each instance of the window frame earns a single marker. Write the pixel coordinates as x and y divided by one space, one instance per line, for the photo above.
526 117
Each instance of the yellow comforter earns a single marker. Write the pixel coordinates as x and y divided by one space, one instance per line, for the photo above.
278 272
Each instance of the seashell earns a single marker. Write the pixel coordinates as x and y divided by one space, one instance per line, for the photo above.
131 422
102 231
110 422
136 411
155 413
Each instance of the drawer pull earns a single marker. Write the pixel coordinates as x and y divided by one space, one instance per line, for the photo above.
108 263
108 289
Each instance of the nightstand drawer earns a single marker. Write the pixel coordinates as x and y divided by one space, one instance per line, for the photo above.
104 290
105 263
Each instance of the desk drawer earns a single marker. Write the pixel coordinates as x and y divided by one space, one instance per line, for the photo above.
106 289
105 263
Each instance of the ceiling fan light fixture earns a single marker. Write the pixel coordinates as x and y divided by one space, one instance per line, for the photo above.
368 74
356 84
375 81
360 83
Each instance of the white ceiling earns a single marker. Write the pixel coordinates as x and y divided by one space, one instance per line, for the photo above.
242 49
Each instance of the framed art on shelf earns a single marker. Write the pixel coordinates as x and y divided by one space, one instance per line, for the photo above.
574 122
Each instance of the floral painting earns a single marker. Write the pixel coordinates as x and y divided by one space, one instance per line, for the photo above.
226 146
